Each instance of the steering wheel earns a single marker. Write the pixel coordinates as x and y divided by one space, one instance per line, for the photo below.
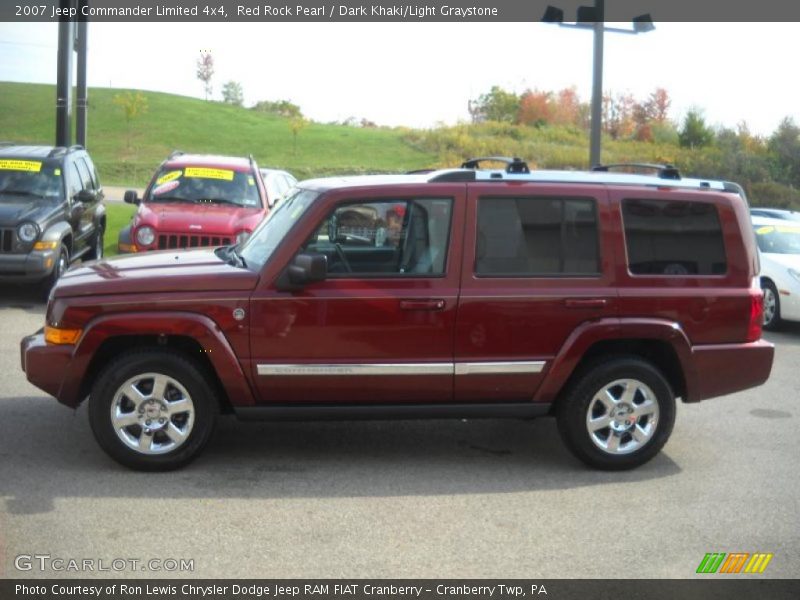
342 257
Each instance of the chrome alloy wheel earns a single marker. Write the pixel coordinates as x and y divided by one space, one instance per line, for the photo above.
770 305
152 413
622 417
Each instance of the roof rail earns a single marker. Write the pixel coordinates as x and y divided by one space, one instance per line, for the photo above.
7 143
513 165
57 151
75 147
175 153
663 171
419 171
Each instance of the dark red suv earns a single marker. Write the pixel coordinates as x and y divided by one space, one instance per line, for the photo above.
597 297
196 200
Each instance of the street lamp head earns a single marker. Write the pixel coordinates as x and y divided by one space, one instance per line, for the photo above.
588 15
553 15
643 24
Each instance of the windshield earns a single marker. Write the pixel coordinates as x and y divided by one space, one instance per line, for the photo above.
778 239
28 178
204 185
266 237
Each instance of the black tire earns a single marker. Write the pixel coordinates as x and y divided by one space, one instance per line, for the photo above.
183 373
96 253
583 395
774 322
61 265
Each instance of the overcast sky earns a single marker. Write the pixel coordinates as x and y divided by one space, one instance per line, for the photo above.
418 74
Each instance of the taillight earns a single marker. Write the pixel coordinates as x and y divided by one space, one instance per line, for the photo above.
756 315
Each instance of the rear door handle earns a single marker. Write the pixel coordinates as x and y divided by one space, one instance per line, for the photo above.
585 302
427 304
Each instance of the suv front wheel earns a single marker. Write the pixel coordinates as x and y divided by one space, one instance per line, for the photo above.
618 414
152 410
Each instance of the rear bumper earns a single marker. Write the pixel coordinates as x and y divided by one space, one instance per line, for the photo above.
728 368
45 365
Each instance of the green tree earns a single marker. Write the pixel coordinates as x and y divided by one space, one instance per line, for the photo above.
497 105
283 108
695 133
784 150
133 105
232 93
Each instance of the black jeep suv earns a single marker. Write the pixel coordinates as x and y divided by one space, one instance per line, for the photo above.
51 211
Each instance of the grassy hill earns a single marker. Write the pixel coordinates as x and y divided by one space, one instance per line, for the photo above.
27 114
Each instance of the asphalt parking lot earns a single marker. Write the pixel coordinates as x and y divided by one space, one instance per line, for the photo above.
401 499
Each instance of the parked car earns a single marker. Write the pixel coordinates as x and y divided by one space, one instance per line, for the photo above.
51 212
595 297
775 213
278 183
779 248
196 200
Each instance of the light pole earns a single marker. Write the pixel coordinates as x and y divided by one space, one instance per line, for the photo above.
593 17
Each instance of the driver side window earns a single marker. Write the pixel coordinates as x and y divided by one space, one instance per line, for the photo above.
385 239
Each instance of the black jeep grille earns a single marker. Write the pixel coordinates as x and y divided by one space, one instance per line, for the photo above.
179 240
6 240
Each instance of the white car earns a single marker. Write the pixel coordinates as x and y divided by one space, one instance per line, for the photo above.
779 250
277 183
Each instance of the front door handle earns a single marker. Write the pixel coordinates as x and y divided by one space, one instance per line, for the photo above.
426 304
585 302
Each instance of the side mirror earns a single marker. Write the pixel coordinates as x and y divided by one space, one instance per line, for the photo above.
307 268
86 196
131 197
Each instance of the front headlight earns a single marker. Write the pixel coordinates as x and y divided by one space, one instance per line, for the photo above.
145 235
28 232
795 275
242 236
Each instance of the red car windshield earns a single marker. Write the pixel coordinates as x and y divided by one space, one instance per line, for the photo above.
205 185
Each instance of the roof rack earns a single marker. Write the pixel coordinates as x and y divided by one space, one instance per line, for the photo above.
513 165
663 171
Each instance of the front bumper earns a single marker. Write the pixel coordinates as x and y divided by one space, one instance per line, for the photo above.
33 266
45 365
722 369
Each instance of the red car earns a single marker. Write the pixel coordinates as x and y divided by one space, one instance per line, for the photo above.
599 298
196 200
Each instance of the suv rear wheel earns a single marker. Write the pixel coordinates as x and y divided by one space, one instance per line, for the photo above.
618 414
152 410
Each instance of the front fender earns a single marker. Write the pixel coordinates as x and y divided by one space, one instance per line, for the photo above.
209 336
124 241
56 232
603 330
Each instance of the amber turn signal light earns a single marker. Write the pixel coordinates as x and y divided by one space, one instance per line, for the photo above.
53 335
45 245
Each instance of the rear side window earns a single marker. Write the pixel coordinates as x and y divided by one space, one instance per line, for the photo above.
673 238
529 237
